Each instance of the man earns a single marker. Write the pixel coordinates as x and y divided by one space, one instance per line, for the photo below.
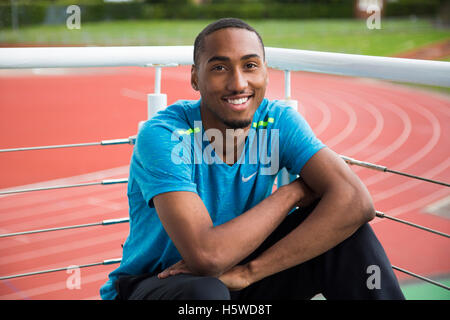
204 221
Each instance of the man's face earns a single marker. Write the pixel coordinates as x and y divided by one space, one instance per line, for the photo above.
231 75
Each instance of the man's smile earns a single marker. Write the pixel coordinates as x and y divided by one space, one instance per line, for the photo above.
238 102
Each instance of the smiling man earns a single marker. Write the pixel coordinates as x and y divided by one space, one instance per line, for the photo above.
202 229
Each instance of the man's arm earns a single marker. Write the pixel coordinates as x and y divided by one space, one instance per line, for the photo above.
344 206
211 250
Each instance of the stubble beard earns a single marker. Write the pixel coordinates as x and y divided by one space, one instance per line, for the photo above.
231 124
237 124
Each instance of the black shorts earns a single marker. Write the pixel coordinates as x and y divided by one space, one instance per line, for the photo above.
340 273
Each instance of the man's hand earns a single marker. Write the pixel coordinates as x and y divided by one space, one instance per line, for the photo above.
237 278
177 268
307 196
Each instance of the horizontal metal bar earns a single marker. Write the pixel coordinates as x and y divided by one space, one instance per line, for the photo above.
104 262
49 229
50 188
102 223
112 261
42 272
130 140
104 182
52 147
75 57
377 167
380 214
114 181
115 221
387 68
419 178
396 69
421 278
363 164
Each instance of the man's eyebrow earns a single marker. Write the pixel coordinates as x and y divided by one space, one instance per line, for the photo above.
223 58
218 58
249 56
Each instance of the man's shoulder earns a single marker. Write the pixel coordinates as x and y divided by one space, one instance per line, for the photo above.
275 110
178 115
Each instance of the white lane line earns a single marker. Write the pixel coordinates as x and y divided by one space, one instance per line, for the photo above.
440 208
415 158
443 99
133 94
326 113
376 114
392 147
351 124
432 142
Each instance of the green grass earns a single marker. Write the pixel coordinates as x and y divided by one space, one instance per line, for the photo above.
346 36
343 36
425 291
352 36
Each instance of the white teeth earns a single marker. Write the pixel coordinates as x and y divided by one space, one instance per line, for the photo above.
238 101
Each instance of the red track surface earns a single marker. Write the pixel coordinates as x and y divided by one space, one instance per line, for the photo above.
400 128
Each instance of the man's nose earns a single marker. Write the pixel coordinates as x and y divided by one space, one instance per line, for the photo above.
237 82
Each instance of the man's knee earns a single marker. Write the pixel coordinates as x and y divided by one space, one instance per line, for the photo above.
359 268
204 288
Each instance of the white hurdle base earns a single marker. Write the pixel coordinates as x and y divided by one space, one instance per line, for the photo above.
155 103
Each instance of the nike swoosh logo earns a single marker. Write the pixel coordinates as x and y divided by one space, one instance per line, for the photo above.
244 179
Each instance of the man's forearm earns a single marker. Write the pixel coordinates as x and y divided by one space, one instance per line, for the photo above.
240 236
333 220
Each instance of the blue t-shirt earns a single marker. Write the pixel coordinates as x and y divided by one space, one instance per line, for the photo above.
173 153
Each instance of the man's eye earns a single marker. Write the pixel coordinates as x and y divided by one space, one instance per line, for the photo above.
218 68
251 65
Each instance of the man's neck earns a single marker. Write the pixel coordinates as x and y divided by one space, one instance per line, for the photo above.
230 143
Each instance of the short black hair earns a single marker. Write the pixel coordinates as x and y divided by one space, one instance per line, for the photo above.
222 24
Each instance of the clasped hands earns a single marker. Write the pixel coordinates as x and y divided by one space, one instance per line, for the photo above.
237 278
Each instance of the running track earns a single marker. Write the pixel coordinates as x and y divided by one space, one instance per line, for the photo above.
400 128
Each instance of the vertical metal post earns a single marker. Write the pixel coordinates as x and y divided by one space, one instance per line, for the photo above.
155 101
287 84
158 80
287 91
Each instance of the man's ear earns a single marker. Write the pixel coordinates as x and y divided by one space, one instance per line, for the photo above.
194 78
